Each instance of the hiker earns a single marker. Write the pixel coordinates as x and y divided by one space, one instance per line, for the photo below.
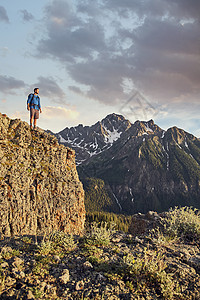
33 105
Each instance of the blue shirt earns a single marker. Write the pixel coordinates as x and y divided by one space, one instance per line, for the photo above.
34 101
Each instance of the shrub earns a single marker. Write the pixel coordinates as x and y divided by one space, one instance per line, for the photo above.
63 240
8 252
99 233
40 269
54 241
183 222
45 247
147 271
159 237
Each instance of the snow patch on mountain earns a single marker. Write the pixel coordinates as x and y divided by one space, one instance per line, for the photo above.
186 145
111 136
62 140
147 128
131 193
163 134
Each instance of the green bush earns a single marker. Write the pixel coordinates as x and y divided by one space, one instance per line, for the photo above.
183 222
45 247
147 271
56 240
8 252
100 234
63 240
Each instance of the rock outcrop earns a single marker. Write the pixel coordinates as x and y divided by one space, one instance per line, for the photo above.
40 189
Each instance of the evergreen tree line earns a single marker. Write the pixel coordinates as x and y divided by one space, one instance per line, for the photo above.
122 222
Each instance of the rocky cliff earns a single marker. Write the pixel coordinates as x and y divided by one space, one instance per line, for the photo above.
40 189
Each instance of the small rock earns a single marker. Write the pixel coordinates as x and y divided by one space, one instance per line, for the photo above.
64 278
152 215
4 265
42 286
79 285
195 261
100 277
138 240
116 239
18 274
87 265
18 262
56 258
48 287
30 295
10 281
65 271
79 258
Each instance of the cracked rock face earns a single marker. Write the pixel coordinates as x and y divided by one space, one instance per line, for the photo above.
40 190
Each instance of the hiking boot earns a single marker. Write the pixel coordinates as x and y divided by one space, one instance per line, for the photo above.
34 128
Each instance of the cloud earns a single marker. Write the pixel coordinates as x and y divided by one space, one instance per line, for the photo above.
181 114
53 112
155 8
70 38
10 85
23 115
76 90
3 15
154 44
4 51
50 89
103 76
166 60
26 15
184 8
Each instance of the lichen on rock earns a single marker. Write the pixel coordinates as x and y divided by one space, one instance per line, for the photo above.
40 190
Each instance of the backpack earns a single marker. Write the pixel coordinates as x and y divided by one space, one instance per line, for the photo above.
31 100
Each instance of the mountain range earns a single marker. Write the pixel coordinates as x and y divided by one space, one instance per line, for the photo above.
138 167
88 141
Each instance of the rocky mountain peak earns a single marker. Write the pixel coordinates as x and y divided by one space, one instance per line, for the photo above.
114 120
142 128
88 141
40 189
177 135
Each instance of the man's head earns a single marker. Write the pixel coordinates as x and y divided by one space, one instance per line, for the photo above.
36 90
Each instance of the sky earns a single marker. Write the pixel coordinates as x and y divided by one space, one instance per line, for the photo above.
91 58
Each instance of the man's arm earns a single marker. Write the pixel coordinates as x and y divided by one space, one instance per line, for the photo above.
28 101
39 105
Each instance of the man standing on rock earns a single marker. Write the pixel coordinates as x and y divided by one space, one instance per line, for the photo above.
33 105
